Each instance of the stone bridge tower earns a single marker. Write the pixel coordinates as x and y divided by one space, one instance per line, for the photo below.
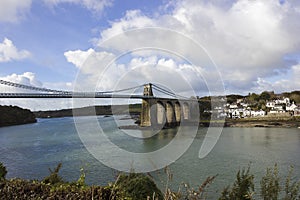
146 106
160 112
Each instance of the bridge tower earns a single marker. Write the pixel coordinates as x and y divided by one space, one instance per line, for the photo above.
146 106
148 90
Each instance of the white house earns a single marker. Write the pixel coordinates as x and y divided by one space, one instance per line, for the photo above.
270 104
278 107
259 113
235 114
291 107
233 106
276 111
282 101
246 113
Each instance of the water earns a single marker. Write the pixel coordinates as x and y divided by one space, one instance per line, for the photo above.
29 150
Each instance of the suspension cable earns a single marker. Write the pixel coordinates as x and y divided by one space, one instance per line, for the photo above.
22 86
166 93
169 92
18 85
122 90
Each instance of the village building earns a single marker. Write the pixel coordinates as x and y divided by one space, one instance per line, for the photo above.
291 107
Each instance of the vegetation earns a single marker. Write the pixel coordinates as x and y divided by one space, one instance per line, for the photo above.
242 189
3 172
130 187
13 115
138 186
270 184
271 189
133 109
134 186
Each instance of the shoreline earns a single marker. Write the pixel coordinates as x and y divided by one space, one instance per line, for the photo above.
289 122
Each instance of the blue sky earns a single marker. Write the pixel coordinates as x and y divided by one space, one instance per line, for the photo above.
47 32
254 44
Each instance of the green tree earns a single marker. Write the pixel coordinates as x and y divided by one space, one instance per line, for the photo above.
253 98
265 96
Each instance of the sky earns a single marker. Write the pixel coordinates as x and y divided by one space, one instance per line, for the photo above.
193 47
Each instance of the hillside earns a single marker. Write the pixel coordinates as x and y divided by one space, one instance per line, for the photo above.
86 111
13 115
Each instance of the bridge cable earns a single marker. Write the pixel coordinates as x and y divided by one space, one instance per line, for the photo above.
22 86
122 90
168 92
18 85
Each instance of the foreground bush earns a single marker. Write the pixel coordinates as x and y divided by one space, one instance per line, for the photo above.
3 172
138 187
242 189
22 189
131 187
271 187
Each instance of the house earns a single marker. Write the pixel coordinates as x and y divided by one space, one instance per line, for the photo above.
274 111
278 107
297 111
233 106
291 107
259 113
270 104
235 114
239 101
282 101
246 113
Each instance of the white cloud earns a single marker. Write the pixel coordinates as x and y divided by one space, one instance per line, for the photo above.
99 71
13 10
281 85
96 6
78 57
30 79
132 19
27 78
247 39
9 52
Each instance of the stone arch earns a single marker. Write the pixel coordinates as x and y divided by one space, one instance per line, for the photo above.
169 112
177 112
186 111
161 113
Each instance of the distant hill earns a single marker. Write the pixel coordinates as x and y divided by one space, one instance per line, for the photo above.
133 109
13 115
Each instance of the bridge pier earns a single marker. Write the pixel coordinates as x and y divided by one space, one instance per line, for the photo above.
163 112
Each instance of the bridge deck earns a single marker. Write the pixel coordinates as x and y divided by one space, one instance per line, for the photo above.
78 95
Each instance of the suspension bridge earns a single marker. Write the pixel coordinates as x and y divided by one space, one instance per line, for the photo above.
170 109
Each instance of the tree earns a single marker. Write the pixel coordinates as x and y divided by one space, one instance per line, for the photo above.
253 97
265 96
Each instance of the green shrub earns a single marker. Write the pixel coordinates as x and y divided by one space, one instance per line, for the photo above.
3 171
54 178
291 189
138 186
270 188
242 188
